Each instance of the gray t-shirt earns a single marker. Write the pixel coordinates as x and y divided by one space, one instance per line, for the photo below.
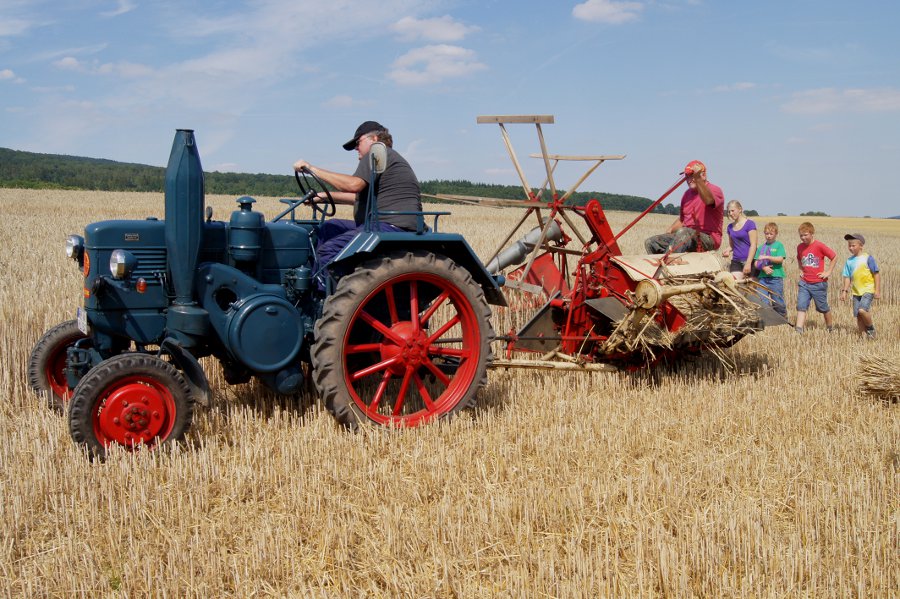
396 189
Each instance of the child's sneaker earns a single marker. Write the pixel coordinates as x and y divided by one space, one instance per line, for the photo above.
870 333
799 330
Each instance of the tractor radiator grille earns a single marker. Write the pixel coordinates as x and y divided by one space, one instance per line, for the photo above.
150 262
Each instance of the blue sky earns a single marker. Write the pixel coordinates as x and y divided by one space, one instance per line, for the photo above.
793 105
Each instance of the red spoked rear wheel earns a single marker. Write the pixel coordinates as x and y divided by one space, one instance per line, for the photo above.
403 340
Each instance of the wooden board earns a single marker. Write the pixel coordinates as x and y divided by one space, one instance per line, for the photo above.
561 157
495 202
516 118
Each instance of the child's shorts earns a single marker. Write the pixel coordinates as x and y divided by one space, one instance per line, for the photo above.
862 302
817 292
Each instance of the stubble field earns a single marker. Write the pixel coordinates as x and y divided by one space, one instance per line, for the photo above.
777 478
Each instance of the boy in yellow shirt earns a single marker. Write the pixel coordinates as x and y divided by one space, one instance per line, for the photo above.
862 280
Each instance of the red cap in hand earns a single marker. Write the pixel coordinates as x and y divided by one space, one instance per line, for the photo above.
694 166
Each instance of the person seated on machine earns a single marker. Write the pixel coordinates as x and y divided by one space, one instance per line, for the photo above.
699 223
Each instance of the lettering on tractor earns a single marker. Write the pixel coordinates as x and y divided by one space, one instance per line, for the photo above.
396 331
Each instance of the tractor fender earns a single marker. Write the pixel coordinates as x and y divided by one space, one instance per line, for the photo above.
190 367
452 245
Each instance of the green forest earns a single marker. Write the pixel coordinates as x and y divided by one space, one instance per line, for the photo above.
31 170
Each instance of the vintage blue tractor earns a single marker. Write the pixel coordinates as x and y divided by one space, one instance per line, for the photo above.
395 331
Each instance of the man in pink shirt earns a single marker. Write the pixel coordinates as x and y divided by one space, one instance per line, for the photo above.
699 223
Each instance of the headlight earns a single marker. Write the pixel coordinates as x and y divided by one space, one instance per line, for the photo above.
74 247
121 264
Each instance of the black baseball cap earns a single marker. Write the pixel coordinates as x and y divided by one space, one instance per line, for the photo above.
857 236
367 127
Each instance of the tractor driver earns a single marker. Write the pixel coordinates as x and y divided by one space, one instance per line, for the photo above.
699 223
397 189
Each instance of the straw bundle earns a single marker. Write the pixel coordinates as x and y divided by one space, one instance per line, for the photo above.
879 377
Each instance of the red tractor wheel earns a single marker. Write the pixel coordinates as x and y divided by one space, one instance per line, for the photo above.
404 339
132 400
47 364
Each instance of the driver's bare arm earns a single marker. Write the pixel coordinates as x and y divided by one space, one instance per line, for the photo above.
340 197
339 181
675 226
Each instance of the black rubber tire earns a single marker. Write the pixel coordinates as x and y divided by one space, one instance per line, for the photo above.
46 365
365 290
101 402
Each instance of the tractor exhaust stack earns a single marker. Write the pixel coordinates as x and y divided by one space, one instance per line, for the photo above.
184 213
185 321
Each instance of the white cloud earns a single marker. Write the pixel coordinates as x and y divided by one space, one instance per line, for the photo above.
240 53
432 64
234 55
128 70
10 75
69 63
19 17
828 100
123 6
124 69
50 55
440 29
735 87
10 26
83 105
55 89
607 11
257 45
339 101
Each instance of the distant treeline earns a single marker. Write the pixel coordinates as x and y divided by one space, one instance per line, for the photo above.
610 201
53 171
30 170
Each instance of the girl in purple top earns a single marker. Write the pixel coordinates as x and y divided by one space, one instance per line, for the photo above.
742 236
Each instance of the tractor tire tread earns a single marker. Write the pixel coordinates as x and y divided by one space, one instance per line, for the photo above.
62 335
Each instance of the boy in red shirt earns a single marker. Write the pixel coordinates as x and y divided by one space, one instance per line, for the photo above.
813 286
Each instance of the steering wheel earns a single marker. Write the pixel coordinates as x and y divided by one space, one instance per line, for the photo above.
310 193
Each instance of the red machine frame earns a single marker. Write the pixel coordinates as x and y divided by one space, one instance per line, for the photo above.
582 307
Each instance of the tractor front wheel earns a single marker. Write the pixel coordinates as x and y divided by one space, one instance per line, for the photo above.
133 400
47 364
403 340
